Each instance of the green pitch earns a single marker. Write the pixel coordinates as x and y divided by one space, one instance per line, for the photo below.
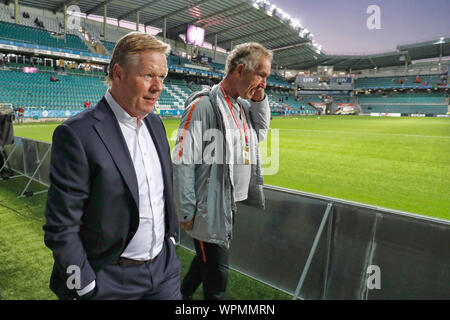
397 163
26 263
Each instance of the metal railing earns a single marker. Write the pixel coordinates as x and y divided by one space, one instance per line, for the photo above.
316 247
29 159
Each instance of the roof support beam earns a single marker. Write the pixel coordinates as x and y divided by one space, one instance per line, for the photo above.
285 57
231 16
100 5
252 23
202 22
16 11
300 62
356 62
67 3
129 13
406 55
105 19
342 61
277 38
137 20
250 34
371 60
177 12
291 46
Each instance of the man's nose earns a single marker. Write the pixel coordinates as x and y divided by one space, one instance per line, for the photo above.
157 84
263 83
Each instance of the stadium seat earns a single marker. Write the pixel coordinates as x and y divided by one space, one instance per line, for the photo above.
16 32
430 102
36 90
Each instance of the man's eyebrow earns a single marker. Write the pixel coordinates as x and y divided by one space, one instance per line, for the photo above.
154 72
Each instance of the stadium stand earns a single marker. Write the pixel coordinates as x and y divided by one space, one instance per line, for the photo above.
217 66
285 101
276 80
26 18
405 103
11 31
35 90
109 45
176 90
407 82
20 66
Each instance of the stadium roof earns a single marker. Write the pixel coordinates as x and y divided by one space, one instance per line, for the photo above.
418 51
238 21
233 21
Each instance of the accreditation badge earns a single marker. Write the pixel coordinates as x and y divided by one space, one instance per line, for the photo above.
246 154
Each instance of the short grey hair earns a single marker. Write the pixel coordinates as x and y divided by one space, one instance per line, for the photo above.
247 54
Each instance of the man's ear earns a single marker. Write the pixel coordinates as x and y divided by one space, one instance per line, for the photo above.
240 69
117 71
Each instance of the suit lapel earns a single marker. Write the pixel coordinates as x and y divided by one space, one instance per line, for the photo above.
109 131
158 137
150 123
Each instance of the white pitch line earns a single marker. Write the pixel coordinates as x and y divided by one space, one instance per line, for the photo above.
373 133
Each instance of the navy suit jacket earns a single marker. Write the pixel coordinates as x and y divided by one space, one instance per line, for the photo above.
93 200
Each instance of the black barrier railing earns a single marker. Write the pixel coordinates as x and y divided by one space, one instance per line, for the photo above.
316 247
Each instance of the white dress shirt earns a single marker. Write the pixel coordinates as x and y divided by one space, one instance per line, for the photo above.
149 238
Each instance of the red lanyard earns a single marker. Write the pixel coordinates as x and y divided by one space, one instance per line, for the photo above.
234 116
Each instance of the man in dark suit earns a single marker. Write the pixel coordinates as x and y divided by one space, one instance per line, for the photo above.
110 219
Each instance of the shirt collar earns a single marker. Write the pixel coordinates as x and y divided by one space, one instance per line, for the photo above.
121 115
234 102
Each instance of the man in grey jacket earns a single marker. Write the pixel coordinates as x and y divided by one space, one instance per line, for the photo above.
217 163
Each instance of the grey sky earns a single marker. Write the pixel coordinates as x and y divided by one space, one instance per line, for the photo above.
340 25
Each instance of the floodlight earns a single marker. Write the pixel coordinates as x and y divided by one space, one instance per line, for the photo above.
195 35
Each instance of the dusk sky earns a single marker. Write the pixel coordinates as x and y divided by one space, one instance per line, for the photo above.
340 25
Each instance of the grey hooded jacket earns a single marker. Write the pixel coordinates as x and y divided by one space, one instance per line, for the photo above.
203 184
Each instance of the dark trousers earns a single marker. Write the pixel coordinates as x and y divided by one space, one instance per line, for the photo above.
156 280
210 267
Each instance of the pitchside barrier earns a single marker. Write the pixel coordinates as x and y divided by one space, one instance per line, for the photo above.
49 113
30 159
316 247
